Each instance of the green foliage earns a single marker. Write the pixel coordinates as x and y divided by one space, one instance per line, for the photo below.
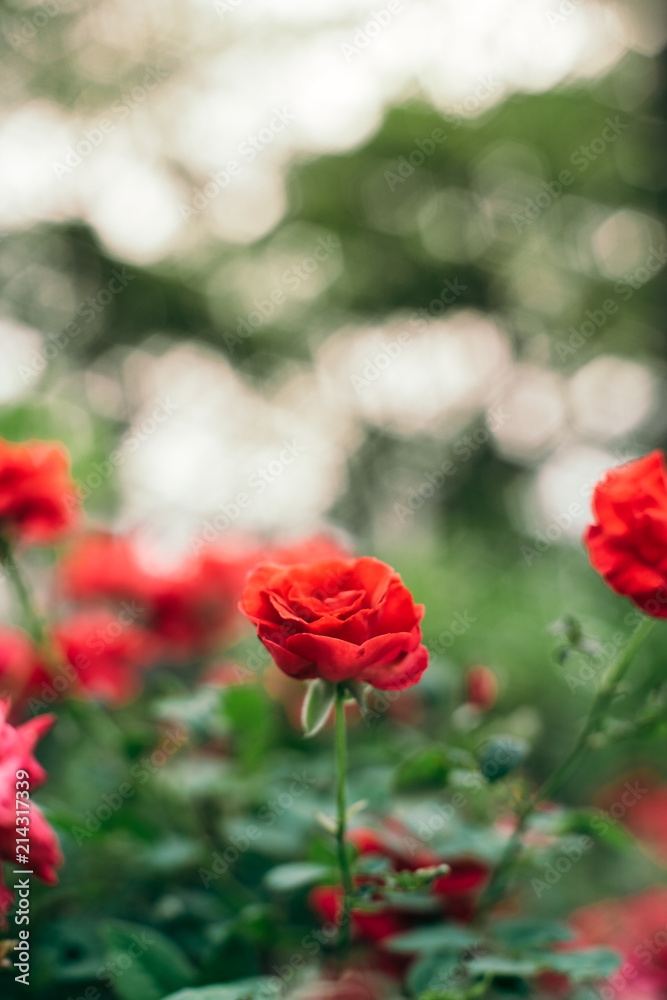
141 963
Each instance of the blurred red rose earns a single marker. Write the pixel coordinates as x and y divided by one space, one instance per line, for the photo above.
18 663
628 543
38 499
16 754
190 609
635 926
104 566
350 619
106 655
481 688
196 607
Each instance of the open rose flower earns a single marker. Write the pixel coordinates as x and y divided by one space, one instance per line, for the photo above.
38 498
627 544
339 620
104 656
190 609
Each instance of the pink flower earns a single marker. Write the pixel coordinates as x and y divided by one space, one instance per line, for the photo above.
16 758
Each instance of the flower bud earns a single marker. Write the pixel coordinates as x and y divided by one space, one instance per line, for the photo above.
481 688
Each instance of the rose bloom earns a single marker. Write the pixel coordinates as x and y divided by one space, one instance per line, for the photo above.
190 609
16 753
38 498
344 619
454 895
105 656
627 544
635 926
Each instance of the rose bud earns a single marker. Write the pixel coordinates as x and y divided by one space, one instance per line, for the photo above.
481 688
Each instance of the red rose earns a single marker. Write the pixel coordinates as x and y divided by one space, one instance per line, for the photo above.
481 688
628 543
102 565
343 619
38 499
190 609
16 754
195 608
106 656
18 663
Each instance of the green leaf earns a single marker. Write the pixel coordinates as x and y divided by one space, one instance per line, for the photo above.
435 972
443 937
580 965
232 955
317 706
156 963
428 768
500 965
254 988
501 755
296 875
523 933
585 963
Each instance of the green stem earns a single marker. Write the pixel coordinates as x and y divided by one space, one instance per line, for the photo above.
23 592
605 695
341 772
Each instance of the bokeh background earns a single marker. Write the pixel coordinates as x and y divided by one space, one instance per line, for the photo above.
395 269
